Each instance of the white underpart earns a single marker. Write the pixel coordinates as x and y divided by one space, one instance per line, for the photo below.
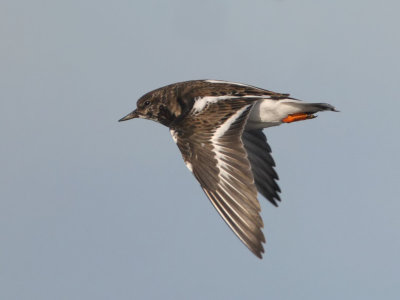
269 112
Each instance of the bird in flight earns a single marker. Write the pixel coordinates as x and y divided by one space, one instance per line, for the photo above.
217 126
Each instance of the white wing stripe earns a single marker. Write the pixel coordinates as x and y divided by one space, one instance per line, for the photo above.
221 130
228 82
221 165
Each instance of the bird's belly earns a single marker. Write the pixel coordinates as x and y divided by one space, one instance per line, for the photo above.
267 112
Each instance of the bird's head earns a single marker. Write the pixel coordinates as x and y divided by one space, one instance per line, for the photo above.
147 108
157 107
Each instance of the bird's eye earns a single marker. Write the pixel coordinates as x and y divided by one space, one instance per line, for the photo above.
146 103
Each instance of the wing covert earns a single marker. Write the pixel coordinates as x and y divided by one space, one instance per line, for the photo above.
211 146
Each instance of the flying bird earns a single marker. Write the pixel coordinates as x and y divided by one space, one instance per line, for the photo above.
217 126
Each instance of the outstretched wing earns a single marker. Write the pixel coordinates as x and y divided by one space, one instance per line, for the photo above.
211 145
262 164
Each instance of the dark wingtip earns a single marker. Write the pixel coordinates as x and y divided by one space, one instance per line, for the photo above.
331 107
258 252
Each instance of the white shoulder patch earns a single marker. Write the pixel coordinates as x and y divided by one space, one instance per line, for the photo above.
201 102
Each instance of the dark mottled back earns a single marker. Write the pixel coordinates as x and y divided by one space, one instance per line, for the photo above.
172 102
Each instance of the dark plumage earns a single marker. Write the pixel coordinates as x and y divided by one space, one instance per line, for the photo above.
217 126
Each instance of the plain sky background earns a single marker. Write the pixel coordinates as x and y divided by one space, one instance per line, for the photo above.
95 209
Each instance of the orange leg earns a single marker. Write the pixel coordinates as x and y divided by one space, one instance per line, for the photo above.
297 117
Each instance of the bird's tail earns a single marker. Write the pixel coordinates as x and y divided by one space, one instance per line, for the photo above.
311 108
304 110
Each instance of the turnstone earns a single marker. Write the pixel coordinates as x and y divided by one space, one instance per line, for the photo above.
217 126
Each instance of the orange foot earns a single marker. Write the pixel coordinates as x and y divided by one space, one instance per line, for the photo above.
298 117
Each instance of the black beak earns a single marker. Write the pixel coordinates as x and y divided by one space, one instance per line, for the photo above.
132 115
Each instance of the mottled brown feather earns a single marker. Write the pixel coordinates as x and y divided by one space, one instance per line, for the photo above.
234 196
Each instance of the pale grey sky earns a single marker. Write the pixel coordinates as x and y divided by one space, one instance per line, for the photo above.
95 209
